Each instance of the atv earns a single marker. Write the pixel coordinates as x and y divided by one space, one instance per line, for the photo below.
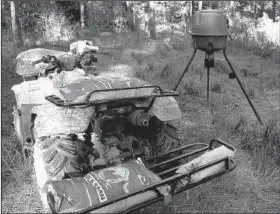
105 143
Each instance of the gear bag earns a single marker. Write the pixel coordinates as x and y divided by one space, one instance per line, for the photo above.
97 187
78 91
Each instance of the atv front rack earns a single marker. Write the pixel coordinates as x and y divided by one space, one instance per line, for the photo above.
158 92
174 180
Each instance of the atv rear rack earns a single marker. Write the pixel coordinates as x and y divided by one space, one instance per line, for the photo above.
174 180
157 93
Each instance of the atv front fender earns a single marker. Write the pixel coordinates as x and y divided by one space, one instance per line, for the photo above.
166 109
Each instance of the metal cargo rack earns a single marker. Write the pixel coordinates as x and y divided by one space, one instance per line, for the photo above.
158 92
174 180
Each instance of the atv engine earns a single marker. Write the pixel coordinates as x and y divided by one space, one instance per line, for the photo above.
113 138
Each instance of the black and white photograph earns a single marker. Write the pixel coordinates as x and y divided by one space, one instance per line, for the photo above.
140 106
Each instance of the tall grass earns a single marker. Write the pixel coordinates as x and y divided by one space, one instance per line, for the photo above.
252 187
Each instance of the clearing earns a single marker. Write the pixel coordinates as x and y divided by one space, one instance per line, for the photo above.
255 184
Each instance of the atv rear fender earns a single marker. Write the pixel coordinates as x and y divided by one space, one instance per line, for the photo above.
166 109
24 117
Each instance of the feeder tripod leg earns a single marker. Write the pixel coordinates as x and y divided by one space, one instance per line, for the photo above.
241 86
208 73
186 69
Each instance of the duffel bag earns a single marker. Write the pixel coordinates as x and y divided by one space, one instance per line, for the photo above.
101 186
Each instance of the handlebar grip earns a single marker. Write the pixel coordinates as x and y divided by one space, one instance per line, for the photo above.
37 61
51 68
44 59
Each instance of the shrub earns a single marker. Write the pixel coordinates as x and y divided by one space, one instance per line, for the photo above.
247 73
191 88
263 143
221 66
244 71
259 36
166 71
251 93
216 87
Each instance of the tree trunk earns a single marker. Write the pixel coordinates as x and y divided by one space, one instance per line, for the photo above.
187 15
150 23
200 5
90 16
82 10
192 8
164 15
16 25
262 9
274 11
255 10
129 5
210 4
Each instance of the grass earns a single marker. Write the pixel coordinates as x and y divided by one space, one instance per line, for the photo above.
252 187
191 88
216 87
247 73
19 192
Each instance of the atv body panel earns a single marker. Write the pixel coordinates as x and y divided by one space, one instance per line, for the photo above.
23 120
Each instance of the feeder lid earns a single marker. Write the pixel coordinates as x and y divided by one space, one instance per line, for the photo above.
209 23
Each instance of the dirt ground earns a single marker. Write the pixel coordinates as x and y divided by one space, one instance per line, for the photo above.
255 184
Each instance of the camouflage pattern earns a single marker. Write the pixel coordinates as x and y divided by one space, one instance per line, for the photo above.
24 60
33 92
78 91
54 120
102 186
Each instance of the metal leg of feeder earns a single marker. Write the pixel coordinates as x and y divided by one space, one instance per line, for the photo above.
208 73
186 69
241 86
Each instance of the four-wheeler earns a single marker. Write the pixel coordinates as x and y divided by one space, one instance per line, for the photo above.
106 143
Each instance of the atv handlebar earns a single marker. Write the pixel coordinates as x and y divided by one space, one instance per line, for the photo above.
55 63
48 59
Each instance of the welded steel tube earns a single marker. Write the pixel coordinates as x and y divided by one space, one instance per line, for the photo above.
241 86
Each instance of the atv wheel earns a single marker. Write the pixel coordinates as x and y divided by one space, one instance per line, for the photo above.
162 136
56 158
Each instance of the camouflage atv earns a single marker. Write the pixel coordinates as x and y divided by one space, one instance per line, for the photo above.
104 143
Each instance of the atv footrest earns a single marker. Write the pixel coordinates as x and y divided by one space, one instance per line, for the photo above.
174 179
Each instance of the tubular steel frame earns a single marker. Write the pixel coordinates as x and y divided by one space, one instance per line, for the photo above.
234 75
160 93
175 178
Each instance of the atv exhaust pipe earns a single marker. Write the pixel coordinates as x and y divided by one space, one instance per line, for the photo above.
139 118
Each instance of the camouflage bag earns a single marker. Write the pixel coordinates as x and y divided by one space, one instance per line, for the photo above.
77 194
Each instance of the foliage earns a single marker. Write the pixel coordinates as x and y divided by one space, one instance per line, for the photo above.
249 188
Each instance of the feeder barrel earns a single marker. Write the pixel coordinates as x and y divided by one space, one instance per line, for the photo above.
209 23
209 30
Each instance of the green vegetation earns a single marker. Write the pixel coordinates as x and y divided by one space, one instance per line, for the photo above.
255 184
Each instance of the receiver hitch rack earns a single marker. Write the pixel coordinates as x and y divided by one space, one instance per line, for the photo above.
173 180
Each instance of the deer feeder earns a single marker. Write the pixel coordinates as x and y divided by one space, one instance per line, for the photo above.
209 30
209 34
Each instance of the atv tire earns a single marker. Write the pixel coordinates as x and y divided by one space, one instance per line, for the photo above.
56 158
162 136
